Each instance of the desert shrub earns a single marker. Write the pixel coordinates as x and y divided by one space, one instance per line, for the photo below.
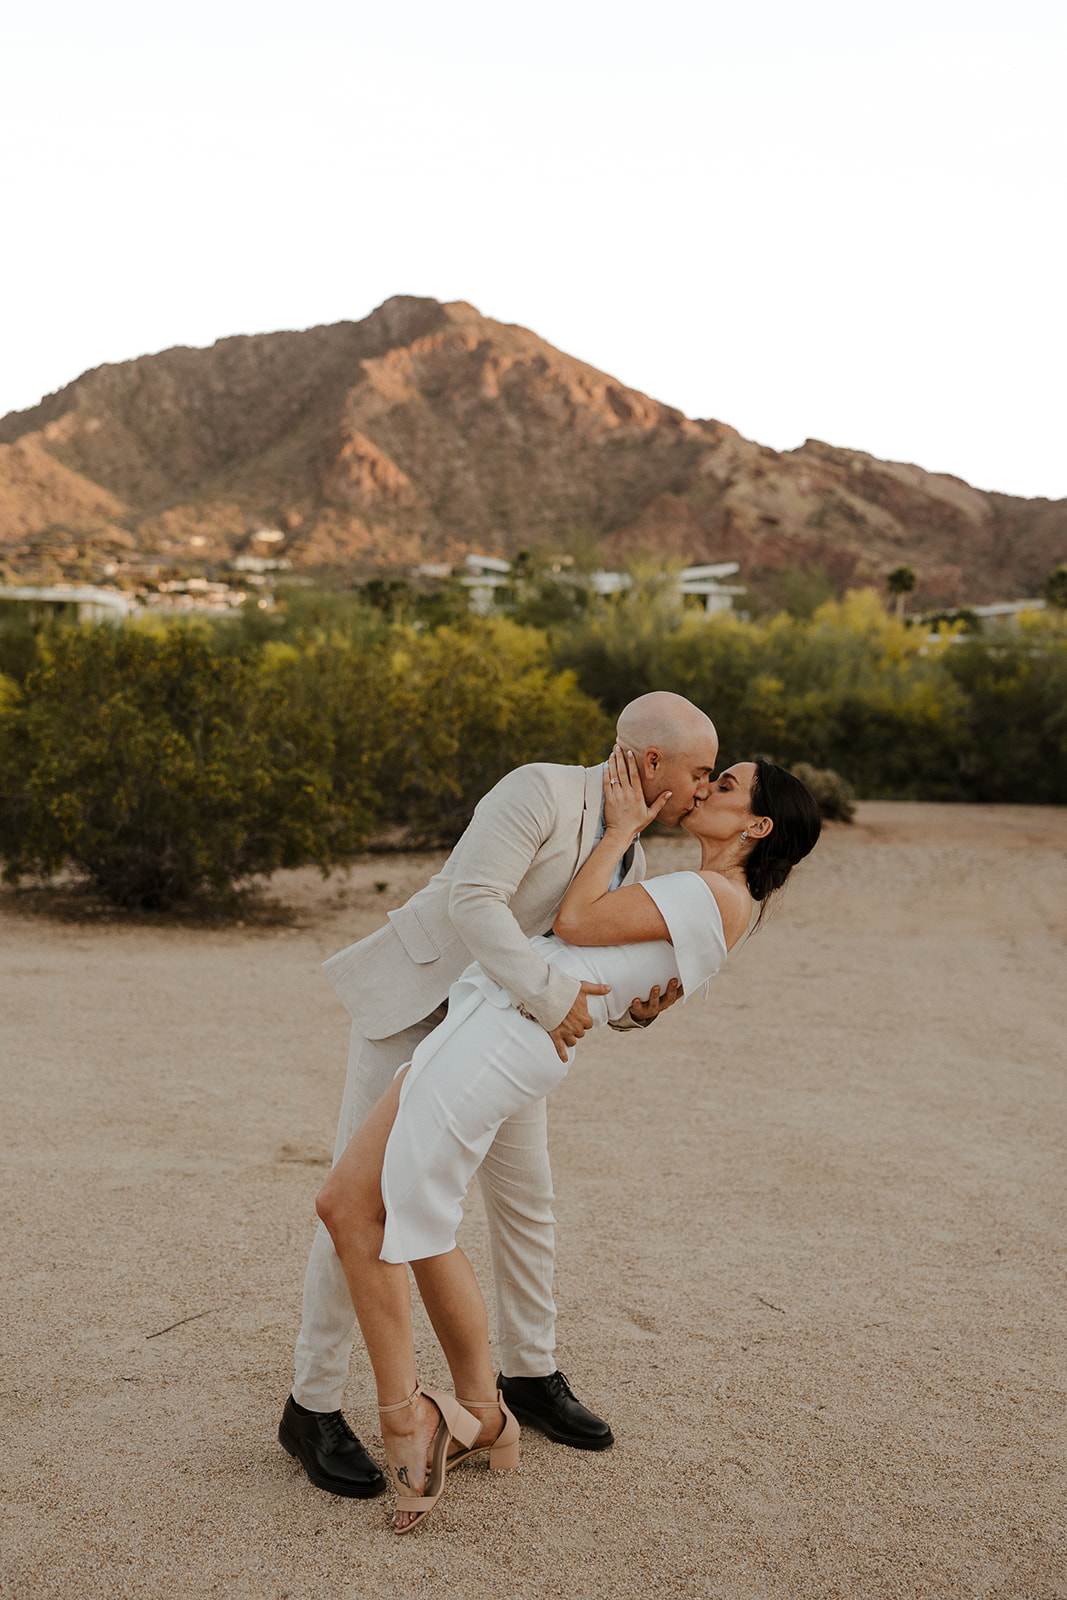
175 762
800 590
171 763
339 687
470 703
423 723
835 798
1014 686
18 641
849 688
300 615
616 651
1054 588
162 769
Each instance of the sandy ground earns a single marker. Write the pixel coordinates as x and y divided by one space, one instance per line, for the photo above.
811 1252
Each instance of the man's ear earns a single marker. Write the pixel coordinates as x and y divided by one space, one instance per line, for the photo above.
651 761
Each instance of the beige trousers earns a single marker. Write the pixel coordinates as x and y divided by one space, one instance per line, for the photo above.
516 1182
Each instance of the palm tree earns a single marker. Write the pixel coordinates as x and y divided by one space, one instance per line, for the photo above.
901 581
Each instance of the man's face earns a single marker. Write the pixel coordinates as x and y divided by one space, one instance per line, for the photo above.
687 776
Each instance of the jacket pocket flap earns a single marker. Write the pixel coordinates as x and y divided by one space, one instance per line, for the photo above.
413 936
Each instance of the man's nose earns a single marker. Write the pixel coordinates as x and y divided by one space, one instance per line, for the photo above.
702 790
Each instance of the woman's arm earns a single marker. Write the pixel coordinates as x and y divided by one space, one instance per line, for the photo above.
590 914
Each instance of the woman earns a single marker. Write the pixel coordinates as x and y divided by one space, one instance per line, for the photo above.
395 1196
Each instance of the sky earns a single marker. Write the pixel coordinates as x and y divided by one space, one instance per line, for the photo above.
838 221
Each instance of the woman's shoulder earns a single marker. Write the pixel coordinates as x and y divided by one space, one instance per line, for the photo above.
686 894
734 903
699 932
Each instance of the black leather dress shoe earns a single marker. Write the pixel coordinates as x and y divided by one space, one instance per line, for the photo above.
548 1404
329 1452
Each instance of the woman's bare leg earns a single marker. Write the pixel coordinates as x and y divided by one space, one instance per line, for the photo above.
350 1204
457 1311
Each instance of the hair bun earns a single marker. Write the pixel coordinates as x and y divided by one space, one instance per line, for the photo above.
766 873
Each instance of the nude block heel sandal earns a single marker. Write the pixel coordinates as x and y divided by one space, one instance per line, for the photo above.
456 1424
504 1451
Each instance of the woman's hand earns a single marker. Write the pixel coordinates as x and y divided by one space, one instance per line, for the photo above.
624 801
591 912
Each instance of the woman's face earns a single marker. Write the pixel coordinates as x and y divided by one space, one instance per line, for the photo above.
727 811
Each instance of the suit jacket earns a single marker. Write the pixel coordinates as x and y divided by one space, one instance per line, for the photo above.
503 882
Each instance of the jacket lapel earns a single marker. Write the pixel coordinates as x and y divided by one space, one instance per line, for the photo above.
594 803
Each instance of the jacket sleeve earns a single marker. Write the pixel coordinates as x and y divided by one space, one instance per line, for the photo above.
507 830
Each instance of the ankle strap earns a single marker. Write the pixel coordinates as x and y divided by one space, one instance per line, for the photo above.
481 1404
400 1404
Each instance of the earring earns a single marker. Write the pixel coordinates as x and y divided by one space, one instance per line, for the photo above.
744 836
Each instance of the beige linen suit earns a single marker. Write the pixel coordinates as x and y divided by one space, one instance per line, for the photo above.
503 883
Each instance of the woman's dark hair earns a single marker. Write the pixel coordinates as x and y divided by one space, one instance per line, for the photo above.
797 825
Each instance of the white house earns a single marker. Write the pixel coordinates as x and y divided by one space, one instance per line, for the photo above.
83 602
705 580
484 576
487 575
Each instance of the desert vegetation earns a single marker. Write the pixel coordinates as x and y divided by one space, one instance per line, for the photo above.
175 762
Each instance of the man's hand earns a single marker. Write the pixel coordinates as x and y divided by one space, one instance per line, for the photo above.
645 1011
577 1021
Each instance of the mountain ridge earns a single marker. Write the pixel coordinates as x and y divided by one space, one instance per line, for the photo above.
426 429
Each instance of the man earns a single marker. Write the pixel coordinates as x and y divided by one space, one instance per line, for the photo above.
503 882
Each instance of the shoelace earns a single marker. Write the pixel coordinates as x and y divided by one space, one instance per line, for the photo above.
558 1384
335 1429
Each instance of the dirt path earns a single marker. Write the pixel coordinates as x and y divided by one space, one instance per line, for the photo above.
811 1253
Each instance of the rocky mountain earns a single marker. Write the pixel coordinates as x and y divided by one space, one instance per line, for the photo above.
427 430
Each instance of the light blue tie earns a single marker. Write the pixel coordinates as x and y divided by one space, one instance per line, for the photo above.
622 867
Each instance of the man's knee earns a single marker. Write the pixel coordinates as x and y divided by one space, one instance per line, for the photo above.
517 1169
519 1201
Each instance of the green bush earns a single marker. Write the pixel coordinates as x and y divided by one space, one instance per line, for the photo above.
175 763
18 641
850 688
1014 736
422 724
467 705
835 798
1054 588
163 770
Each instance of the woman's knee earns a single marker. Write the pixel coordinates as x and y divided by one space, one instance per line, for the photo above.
346 1215
328 1206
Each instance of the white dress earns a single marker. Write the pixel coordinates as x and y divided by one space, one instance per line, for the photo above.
486 1061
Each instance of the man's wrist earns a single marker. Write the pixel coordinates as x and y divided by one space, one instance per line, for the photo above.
551 1009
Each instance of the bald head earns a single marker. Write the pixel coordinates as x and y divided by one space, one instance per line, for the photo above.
676 748
668 721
